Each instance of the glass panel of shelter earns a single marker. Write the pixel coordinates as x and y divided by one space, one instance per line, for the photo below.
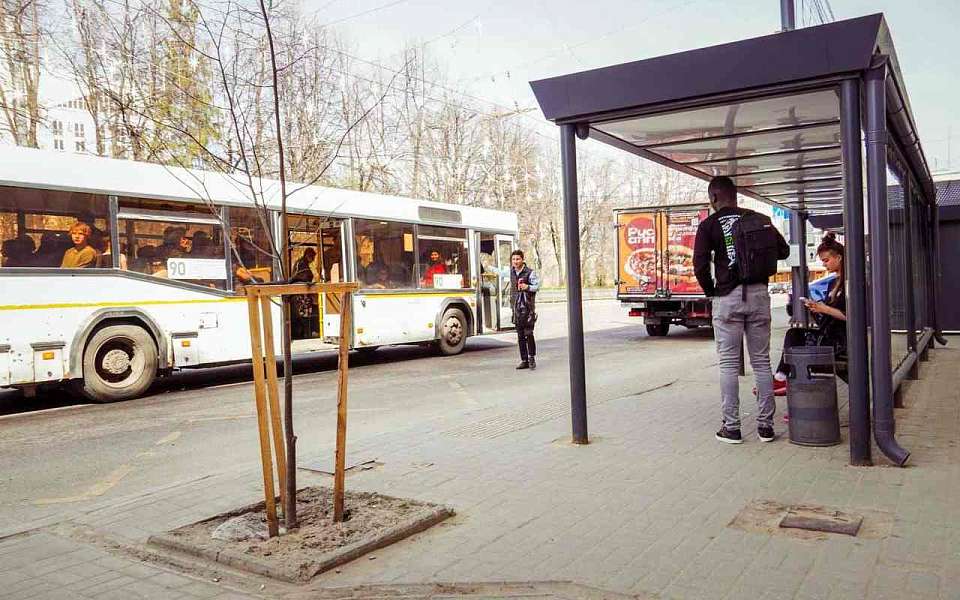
53 229
751 144
727 119
769 162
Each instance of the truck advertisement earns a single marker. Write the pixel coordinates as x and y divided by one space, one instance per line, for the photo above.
655 274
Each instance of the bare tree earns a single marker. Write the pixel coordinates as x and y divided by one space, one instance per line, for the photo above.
21 48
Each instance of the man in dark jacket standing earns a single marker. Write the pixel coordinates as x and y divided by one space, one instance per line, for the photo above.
524 284
739 310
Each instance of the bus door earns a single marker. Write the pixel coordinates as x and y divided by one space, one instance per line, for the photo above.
304 261
332 244
505 245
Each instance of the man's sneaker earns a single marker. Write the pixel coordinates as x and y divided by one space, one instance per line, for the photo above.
523 365
779 387
765 433
729 436
533 363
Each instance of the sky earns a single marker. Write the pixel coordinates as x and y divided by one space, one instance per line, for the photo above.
493 48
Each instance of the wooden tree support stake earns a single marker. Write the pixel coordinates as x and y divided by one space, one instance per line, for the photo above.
267 394
343 367
269 494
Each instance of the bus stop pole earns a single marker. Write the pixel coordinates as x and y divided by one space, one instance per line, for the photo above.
798 278
855 268
571 232
881 371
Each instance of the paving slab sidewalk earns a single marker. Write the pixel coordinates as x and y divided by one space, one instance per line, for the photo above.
645 509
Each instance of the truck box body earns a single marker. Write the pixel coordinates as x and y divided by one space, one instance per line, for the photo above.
655 275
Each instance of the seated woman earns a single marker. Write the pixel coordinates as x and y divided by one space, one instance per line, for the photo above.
830 315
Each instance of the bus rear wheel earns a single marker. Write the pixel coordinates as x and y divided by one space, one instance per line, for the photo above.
119 363
658 330
453 332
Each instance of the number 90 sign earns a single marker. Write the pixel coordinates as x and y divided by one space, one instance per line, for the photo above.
196 268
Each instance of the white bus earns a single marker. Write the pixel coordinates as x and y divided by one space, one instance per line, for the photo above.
115 272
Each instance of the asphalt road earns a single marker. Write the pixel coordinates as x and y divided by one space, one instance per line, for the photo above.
57 456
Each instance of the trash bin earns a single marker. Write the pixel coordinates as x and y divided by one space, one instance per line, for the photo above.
812 396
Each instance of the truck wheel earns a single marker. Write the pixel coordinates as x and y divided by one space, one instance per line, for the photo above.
119 362
658 330
453 332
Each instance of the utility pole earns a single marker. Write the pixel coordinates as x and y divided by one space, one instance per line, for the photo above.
798 220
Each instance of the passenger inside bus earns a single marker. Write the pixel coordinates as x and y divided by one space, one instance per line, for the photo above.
53 245
18 252
82 255
303 269
173 243
434 267
203 246
245 254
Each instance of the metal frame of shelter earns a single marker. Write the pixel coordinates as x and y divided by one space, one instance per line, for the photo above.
782 115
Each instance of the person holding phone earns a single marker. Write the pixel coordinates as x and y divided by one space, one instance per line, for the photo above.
830 314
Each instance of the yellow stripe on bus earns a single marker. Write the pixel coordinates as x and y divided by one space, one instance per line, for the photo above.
462 295
113 304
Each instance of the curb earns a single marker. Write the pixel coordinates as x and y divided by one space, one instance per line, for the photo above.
301 573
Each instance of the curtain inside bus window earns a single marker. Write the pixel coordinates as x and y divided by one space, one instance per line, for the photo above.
385 254
253 248
53 229
182 242
444 257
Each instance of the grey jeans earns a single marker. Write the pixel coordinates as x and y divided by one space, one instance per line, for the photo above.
734 319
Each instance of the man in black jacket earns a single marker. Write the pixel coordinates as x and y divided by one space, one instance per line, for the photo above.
739 310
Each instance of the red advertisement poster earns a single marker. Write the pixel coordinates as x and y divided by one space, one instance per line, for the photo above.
638 253
681 234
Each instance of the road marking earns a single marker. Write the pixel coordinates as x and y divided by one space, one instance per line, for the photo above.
168 439
224 418
462 393
44 411
97 489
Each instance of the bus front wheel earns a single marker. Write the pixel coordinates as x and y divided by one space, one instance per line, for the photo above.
453 332
119 362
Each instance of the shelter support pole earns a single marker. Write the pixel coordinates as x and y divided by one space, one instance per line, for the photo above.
881 370
798 278
910 287
936 281
855 274
571 231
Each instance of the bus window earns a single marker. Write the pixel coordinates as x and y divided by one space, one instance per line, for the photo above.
384 254
174 245
253 255
52 229
444 259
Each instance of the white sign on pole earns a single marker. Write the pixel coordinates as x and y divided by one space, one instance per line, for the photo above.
196 268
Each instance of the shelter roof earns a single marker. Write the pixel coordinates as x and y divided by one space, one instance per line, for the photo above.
763 111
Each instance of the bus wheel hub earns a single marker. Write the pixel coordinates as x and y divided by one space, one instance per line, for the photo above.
453 331
116 361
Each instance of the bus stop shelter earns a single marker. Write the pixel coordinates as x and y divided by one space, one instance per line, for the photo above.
813 120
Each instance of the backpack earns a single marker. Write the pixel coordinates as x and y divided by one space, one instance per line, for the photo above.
756 241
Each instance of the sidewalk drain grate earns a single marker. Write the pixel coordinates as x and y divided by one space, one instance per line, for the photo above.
494 427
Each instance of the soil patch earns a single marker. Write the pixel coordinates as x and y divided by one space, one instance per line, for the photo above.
373 521
765 516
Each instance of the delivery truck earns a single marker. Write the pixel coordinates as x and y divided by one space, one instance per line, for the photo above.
655 276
